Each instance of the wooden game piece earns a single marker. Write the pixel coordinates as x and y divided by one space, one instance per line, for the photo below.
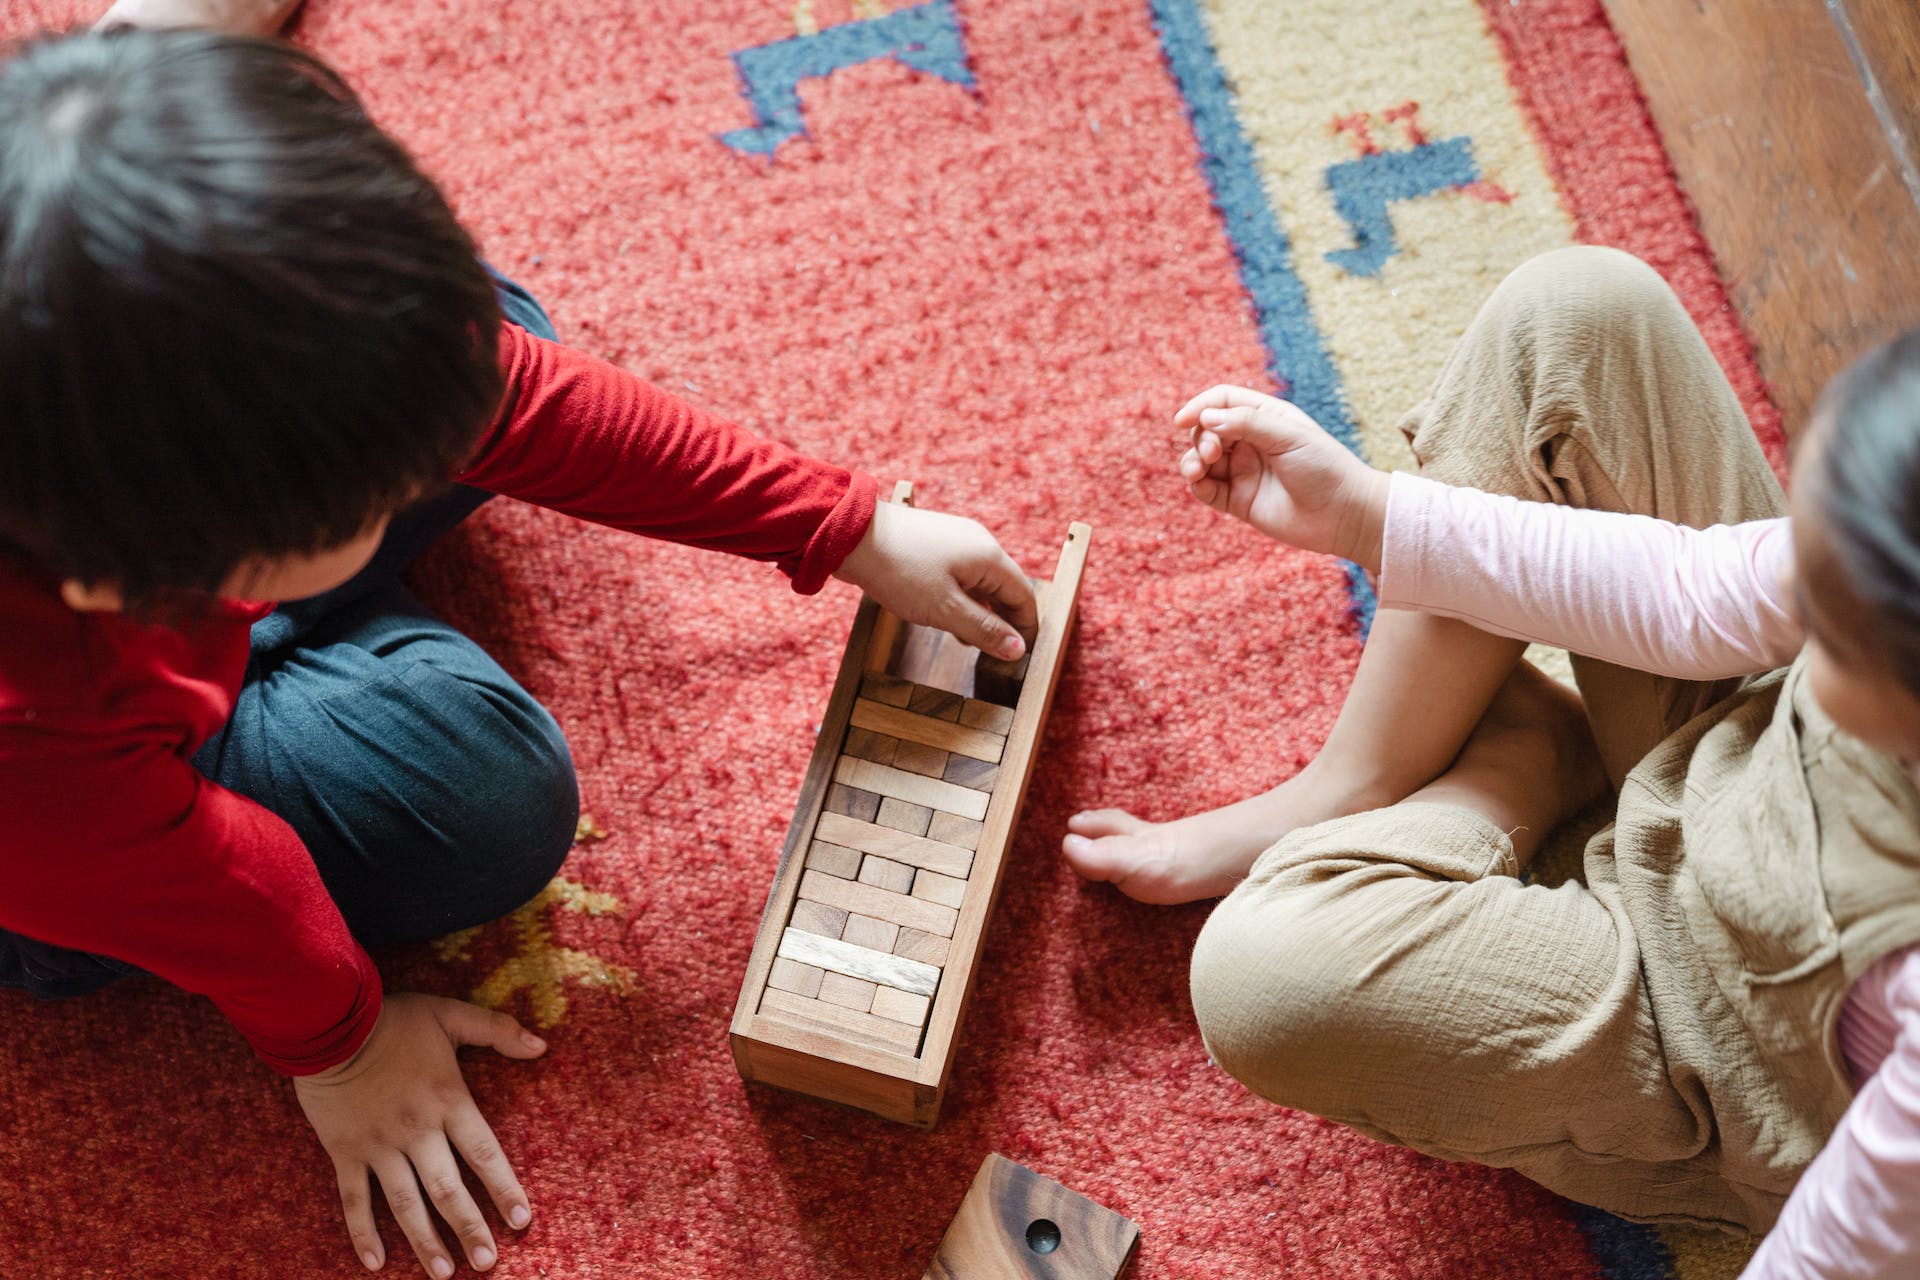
917 757
896 1005
848 993
901 846
791 975
998 681
937 704
885 780
865 744
878 686
864 899
951 828
871 931
886 1034
878 717
986 716
934 887
914 685
1015 1224
852 801
885 873
818 917
965 772
913 819
917 944
835 860
839 957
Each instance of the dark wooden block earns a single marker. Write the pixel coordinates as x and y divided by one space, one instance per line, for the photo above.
1017 1225
852 802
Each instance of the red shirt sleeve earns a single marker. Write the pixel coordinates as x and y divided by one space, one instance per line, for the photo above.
124 849
584 437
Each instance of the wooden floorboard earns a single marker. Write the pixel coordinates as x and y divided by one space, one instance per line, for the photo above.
1799 188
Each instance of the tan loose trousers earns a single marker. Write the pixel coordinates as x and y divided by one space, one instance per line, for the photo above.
1659 1041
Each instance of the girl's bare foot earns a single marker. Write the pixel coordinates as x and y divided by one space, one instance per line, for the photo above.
1207 854
236 17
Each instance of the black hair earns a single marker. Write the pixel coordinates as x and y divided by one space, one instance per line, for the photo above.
235 318
1866 478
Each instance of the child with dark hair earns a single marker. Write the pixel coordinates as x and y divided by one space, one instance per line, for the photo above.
1722 1024
248 356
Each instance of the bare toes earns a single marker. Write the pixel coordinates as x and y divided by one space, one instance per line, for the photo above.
1096 823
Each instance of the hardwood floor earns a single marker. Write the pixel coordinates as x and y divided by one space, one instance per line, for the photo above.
1794 127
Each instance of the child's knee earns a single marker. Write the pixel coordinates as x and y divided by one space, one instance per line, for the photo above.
1584 289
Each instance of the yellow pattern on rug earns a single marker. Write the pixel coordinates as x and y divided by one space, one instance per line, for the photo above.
539 967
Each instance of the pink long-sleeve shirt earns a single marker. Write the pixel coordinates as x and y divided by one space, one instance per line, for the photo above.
1696 604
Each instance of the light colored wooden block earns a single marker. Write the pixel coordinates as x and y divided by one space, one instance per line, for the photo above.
818 917
864 899
892 690
834 860
852 801
988 716
848 993
951 828
870 931
896 722
900 1006
1015 1224
963 771
918 944
885 873
864 1028
911 819
934 887
901 846
937 703
865 744
885 780
917 757
859 962
791 975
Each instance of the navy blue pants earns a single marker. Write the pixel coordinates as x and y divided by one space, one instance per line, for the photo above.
432 792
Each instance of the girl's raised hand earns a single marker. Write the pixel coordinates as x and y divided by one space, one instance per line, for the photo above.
1262 460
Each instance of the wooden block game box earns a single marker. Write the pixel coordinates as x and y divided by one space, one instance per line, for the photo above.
866 952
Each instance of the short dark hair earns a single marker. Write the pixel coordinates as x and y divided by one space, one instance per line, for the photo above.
1866 479
236 319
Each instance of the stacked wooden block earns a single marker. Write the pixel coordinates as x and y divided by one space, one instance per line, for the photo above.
886 871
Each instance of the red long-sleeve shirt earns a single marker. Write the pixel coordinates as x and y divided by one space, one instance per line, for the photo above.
111 841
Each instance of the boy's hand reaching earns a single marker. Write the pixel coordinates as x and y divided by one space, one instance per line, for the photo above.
1260 459
948 572
399 1109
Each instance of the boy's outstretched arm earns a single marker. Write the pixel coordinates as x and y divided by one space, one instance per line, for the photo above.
1260 459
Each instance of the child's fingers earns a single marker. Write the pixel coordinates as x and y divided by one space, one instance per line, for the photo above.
1220 397
473 1139
440 1175
356 1205
410 1212
489 1029
1010 604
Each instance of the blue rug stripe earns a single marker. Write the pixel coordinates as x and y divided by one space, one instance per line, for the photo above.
1625 1250
1297 355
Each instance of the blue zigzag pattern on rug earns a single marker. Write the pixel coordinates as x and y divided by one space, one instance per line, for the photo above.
1297 355
925 37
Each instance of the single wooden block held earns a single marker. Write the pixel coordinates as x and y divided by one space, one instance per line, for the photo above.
1017 1225
920 772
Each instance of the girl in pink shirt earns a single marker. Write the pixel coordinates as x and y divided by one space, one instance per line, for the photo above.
1722 1024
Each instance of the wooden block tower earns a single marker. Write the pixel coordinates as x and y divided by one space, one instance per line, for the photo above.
865 957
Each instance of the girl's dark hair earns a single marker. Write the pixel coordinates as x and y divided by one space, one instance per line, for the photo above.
1867 482
235 319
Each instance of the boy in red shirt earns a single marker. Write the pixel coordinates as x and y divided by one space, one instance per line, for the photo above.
248 356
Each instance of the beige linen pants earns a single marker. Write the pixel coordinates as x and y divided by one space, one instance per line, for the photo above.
1390 970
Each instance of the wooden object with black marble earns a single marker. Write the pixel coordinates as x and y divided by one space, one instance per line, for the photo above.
1017 1225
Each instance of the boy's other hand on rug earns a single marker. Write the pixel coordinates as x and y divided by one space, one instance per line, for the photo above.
399 1109
1260 459
947 572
